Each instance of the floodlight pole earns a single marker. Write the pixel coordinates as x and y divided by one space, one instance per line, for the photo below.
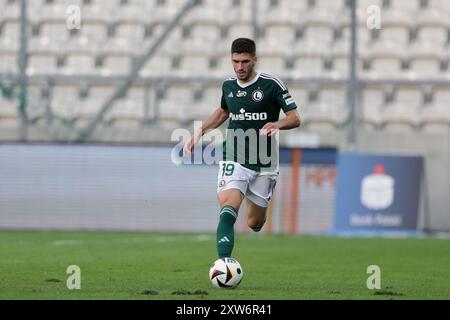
22 60
352 137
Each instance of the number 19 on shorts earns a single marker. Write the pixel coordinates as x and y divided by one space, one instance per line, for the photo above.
228 169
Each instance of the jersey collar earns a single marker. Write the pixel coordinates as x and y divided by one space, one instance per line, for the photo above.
245 85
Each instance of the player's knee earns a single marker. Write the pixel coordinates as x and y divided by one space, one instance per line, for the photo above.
255 224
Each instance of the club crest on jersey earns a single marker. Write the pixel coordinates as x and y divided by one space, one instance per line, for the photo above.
257 95
241 94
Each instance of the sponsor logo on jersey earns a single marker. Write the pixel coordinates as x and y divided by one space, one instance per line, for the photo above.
257 95
288 98
248 115
241 94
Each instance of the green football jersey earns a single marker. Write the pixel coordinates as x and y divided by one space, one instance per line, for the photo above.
251 106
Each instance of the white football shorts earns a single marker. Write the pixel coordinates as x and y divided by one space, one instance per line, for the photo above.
255 186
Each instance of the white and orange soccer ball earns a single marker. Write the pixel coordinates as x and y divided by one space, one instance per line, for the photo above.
226 273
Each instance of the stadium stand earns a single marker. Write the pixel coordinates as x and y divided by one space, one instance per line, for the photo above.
297 40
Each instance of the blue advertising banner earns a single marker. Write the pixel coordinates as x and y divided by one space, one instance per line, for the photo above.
377 192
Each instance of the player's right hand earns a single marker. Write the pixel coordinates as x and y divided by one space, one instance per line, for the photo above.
189 145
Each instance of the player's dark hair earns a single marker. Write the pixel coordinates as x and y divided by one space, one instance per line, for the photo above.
243 45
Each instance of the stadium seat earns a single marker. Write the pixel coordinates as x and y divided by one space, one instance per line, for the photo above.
130 108
55 12
317 17
205 33
395 33
328 111
79 64
238 30
177 100
9 108
281 36
279 15
339 56
116 65
409 7
402 113
8 62
322 34
443 6
386 60
192 65
41 64
9 41
10 11
435 35
57 32
201 109
97 13
364 4
158 65
273 64
425 59
435 117
332 6
65 100
300 95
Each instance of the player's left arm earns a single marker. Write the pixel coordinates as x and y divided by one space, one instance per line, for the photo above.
292 119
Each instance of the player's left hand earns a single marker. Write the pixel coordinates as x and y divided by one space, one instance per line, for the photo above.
270 129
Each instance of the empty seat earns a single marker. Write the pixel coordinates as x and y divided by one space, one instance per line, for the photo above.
410 7
158 65
425 60
398 34
318 33
206 33
436 35
8 62
79 64
202 108
386 61
57 32
273 64
116 65
130 107
41 65
435 117
64 101
277 38
192 65
241 30
328 111
402 113
440 5
175 103
307 66
9 107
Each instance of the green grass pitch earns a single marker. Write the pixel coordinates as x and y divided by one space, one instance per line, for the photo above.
118 265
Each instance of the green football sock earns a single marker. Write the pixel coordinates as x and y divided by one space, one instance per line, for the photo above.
225 231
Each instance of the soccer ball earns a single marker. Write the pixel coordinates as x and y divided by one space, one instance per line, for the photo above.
226 273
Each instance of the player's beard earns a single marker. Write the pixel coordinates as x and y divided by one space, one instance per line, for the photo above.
244 75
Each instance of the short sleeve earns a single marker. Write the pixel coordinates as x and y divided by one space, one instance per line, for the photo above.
284 98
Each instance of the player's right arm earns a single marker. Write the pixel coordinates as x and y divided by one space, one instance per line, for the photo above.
215 120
